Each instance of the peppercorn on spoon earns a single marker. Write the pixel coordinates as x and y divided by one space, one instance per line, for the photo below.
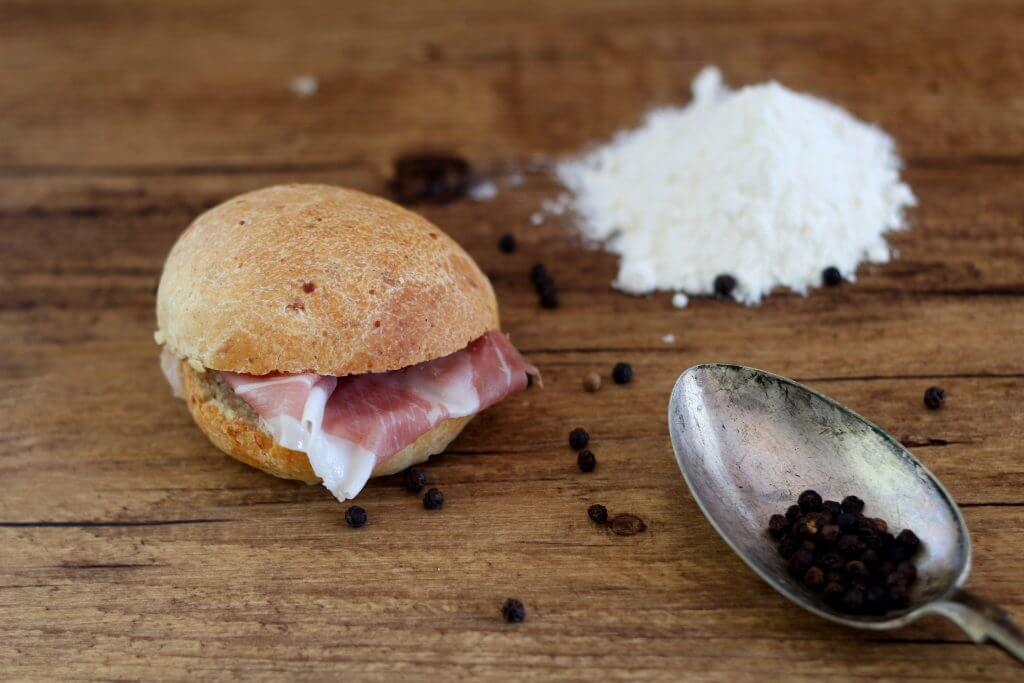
748 442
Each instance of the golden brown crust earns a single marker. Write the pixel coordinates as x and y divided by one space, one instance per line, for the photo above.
313 278
233 427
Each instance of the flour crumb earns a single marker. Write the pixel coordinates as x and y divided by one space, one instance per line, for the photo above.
669 338
536 218
514 179
557 206
484 191
305 85
763 184
680 300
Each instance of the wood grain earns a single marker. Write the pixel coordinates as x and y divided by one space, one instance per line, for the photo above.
130 548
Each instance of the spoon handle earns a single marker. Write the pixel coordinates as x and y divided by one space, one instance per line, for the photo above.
983 621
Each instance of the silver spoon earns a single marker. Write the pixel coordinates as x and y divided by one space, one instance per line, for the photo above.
748 442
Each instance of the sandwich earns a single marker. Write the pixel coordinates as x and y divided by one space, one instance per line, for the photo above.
326 335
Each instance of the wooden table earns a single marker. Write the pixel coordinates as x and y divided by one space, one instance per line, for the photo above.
130 548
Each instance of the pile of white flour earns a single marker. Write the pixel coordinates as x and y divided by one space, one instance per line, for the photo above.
763 184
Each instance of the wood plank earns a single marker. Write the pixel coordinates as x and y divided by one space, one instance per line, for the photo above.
287 590
966 238
170 85
145 438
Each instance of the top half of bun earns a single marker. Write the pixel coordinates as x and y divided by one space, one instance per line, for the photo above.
313 278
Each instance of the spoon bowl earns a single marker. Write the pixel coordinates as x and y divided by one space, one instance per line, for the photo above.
748 442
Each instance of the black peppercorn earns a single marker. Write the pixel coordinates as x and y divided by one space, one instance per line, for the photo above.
830 533
850 546
622 373
813 524
800 562
806 528
867 532
870 558
847 522
809 501
881 525
899 596
549 299
598 513
586 461
833 593
875 599
898 552
907 570
856 569
836 577
896 579
866 527
355 516
853 505
507 243
578 439
788 545
814 578
435 178
792 513
724 285
415 479
777 526
513 611
832 507
831 277
831 561
908 539
433 499
544 285
853 600
934 397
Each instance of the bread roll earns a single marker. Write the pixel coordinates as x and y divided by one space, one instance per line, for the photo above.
312 278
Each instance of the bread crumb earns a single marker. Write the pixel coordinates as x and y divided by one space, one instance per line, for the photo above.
680 300
669 338
158 337
196 365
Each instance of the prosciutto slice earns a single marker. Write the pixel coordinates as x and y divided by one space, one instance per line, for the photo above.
347 425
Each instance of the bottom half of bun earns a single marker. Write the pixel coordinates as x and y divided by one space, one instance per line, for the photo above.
234 427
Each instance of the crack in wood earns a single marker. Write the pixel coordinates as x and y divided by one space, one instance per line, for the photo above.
111 565
110 523
876 378
37 170
908 442
994 504
22 170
